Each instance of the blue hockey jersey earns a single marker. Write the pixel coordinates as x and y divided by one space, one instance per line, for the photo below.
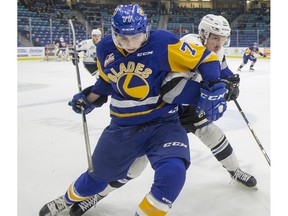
134 80
251 51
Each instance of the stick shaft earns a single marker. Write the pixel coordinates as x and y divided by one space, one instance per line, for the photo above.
84 121
253 133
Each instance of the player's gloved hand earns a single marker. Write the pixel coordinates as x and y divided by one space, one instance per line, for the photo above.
253 58
264 56
212 101
72 54
232 85
80 103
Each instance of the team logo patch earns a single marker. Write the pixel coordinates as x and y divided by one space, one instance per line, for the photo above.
109 59
133 86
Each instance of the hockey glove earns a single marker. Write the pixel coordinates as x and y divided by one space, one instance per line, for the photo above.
264 56
212 101
80 103
232 85
252 58
72 54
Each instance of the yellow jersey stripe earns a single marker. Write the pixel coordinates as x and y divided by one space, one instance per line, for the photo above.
124 115
101 73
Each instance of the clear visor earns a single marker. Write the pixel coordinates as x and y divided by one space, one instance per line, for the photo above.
219 39
227 42
130 43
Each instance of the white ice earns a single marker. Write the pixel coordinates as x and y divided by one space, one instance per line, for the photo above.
51 147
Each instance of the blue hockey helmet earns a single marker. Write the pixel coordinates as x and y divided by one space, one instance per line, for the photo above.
129 27
129 20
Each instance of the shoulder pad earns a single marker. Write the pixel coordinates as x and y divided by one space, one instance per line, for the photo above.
192 38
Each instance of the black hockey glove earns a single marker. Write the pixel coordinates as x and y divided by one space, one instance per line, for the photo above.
232 84
72 54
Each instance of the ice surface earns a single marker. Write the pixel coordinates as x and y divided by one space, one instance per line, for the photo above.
51 147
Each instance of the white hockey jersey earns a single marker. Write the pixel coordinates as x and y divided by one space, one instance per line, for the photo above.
89 51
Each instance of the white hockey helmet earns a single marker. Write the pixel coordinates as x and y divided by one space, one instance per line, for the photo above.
61 39
96 32
215 24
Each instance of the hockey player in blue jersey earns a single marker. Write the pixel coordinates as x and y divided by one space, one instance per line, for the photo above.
133 64
61 49
250 55
214 33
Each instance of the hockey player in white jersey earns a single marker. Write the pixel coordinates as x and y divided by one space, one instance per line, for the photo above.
214 33
88 47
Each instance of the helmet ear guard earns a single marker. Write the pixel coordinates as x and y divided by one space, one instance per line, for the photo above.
217 25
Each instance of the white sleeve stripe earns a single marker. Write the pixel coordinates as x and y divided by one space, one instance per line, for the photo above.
132 103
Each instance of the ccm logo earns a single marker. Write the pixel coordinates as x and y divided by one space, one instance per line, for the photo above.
212 98
166 145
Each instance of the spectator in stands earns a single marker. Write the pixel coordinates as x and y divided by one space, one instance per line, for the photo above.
36 43
27 30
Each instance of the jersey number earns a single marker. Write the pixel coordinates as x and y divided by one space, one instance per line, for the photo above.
186 46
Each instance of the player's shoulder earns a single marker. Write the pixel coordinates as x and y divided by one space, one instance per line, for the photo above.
221 55
105 45
106 41
192 38
163 37
86 41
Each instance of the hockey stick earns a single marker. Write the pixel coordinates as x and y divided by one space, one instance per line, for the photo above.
253 133
85 127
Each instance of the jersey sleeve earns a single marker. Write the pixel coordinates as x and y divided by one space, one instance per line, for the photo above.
102 85
101 73
187 57
81 46
248 51
260 53
225 70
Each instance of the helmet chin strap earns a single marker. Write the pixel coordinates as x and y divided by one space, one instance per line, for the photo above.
203 40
